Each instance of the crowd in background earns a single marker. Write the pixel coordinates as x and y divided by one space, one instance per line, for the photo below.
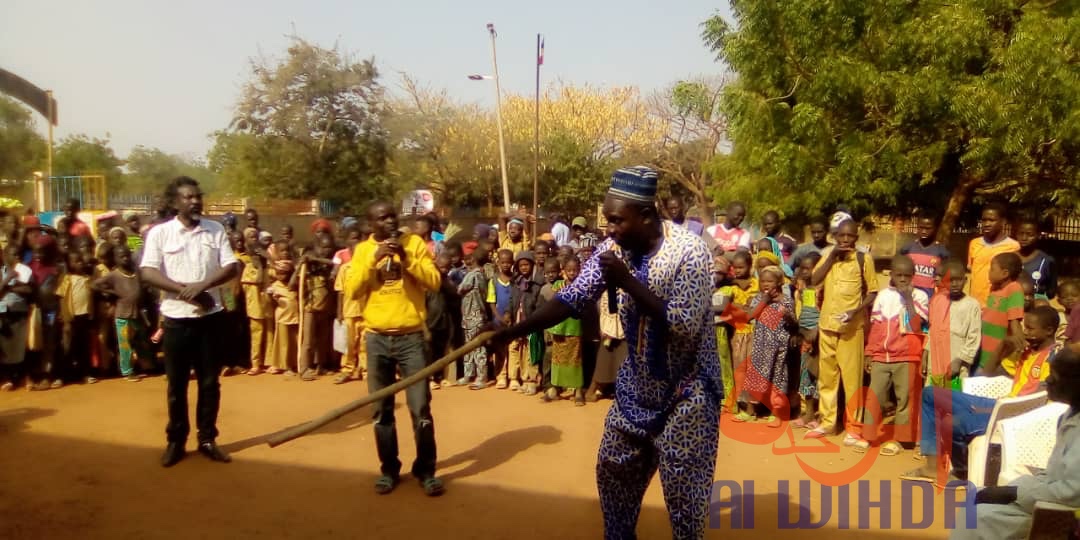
799 326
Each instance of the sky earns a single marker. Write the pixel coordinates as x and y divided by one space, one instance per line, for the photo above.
167 74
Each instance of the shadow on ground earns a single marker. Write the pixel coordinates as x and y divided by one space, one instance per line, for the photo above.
59 487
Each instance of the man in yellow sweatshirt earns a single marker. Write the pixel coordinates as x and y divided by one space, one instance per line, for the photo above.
390 272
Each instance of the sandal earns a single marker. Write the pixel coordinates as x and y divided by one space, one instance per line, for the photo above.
478 385
341 378
309 375
433 487
385 484
918 475
816 433
551 395
254 371
891 448
774 421
743 416
799 423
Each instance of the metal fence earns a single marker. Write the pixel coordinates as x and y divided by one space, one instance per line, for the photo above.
89 190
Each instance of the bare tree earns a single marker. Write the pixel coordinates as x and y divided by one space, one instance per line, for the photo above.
696 131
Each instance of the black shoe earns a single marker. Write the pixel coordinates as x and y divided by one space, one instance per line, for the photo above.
174 452
211 450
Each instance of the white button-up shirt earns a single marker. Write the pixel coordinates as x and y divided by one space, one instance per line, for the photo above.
187 256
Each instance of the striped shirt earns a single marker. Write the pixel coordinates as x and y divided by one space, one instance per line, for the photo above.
1002 307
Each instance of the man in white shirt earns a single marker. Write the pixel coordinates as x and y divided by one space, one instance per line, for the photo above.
559 231
729 236
189 258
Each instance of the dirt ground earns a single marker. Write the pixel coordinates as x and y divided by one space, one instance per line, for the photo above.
82 462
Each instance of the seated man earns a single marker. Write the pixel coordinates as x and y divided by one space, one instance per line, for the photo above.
969 415
1005 511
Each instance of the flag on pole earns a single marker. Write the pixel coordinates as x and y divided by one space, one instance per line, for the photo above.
540 54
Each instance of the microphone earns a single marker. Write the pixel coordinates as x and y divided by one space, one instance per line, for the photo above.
612 298
394 236
613 291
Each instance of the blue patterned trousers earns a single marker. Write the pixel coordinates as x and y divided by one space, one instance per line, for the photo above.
685 453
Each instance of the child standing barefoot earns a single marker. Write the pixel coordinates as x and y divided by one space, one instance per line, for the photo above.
767 374
806 309
474 315
741 292
566 366
124 284
721 299
286 317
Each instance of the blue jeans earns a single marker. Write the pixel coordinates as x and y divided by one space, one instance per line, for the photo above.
386 355
968 414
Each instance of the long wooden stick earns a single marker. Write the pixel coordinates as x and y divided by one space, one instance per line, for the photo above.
416 378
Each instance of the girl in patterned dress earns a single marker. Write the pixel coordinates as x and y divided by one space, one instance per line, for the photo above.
767 375
474 315
566 366
741 292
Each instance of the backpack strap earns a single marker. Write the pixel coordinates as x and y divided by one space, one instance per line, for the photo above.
861 258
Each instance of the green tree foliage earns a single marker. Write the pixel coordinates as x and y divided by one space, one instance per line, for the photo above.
79 155
150 169
309 125
897 104
22 150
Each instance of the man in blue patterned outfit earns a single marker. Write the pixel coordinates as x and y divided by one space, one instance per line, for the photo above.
668 391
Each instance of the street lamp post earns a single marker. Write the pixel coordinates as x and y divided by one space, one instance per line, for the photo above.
498 122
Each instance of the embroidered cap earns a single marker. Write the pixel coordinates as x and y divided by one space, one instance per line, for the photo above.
637 184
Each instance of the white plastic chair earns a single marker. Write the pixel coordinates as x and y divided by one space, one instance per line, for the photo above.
989 387
979 447
1027 440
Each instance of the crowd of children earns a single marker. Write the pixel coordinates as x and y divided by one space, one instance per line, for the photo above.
805 332
73 308
813 337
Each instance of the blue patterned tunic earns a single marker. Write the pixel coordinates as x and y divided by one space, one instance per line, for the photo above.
661 365
667 393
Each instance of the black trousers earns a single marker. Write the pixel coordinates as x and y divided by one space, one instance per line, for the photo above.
193 344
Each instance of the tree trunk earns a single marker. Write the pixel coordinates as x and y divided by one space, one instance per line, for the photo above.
959 197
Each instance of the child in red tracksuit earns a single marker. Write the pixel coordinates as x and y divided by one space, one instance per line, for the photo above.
894 352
